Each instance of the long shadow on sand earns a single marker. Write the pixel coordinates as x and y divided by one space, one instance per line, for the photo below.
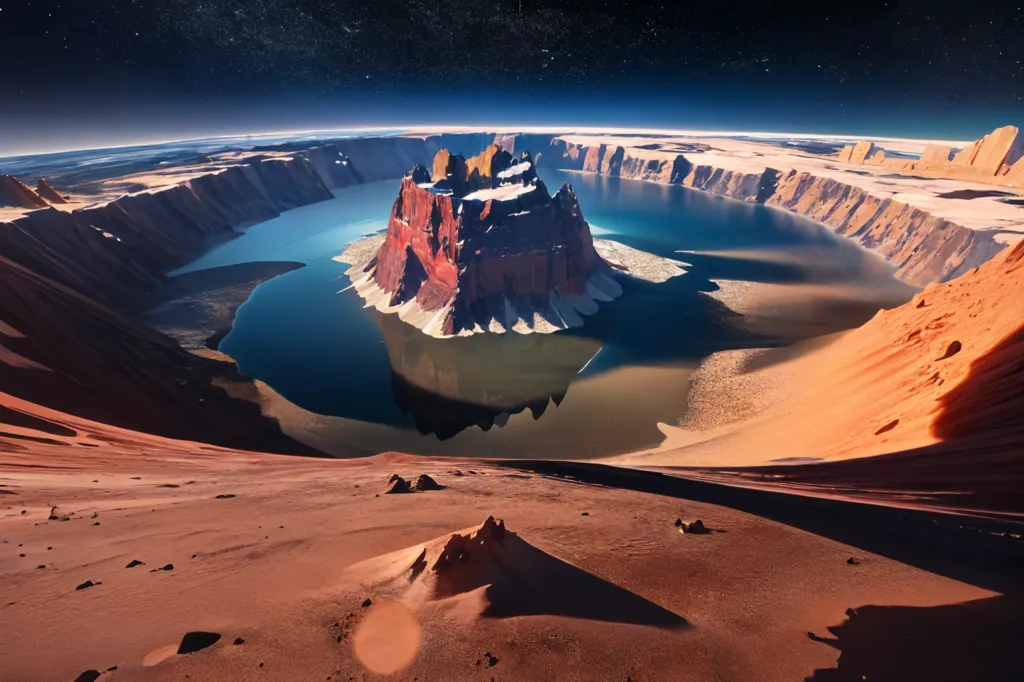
525 581
959 547
978 640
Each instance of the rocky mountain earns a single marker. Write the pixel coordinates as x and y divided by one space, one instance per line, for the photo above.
997 158
479 244
16 194
47 192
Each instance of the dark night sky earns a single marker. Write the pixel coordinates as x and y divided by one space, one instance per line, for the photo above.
79 72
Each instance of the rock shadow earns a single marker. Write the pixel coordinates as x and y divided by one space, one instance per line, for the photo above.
978 640
990 400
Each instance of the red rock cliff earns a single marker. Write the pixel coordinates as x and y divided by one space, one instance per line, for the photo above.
481 242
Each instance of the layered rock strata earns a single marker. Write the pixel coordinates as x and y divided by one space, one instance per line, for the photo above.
997 158
923 247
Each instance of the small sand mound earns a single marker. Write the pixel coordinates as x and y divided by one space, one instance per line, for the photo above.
517 579
57 515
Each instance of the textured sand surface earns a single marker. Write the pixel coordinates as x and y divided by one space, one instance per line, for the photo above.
595 584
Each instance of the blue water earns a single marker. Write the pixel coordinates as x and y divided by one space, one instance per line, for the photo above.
588 392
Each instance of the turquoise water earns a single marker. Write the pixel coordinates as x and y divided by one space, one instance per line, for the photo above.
594 391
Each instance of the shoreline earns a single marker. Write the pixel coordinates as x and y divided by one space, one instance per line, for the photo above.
913 222
198 308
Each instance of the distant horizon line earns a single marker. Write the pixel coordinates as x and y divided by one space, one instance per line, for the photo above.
398 130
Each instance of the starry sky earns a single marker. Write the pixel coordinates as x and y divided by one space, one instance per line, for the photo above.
81 72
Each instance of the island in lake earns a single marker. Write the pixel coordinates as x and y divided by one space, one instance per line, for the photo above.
479 245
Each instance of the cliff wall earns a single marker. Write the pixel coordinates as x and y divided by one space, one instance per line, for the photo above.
924 248
71 283
996 158
118 251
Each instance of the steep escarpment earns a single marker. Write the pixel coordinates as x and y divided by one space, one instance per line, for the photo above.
70 352
923 247
71 283
118 251
480 245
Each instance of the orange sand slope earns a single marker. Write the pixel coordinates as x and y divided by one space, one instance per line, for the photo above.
288 568
944 367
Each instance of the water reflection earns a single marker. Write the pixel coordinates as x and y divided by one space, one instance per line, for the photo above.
451 384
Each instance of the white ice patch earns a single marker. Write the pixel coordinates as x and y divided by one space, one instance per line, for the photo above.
503 193
515 170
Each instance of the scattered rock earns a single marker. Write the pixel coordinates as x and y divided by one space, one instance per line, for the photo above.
853 561
584 513
166 567
197 641
22 556
24 511
96 523
394 477
41 566
367 602
168 485
888 427
135 562
88 676
492 660
135 478
425 482
238 641
397 485
693 528
57 515
224 496
952 349
86 584
95 515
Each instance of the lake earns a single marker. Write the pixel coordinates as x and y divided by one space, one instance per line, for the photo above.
367 382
